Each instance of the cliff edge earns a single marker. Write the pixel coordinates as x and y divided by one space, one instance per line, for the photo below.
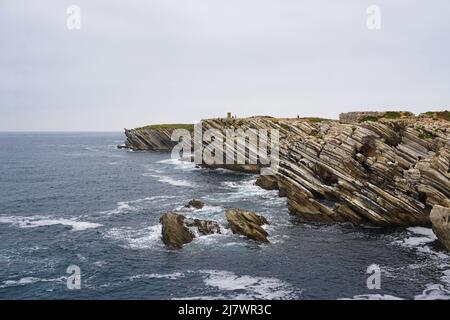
387 168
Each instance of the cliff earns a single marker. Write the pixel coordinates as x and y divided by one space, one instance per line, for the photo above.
383 169
154 137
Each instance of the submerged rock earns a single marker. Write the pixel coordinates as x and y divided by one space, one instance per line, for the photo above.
177 230
247 223
194 203
440 219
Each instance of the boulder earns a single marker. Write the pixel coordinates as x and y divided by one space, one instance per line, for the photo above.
440 219
194 203
247 223
178 230
174 232
267 182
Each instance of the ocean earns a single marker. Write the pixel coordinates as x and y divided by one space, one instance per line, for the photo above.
74 199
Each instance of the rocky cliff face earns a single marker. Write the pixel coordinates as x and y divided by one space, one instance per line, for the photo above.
388 169
384 171
153 137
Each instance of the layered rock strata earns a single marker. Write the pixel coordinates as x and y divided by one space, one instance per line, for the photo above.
177 230
248 224
388 169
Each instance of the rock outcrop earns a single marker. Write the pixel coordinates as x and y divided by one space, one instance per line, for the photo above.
177 230
391 168
156 137
194 203
248 224
440 219
385 171
362 116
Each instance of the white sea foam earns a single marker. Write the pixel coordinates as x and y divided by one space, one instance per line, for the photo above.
169 276
219 297
172 181
28 280
439 291
419 240
135 205
137 238
207 212
180 164
100 263
247 189
252 287
374 297
42 221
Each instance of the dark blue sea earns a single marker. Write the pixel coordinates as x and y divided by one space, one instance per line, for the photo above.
75 199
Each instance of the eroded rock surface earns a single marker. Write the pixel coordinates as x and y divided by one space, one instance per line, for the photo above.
194 203
387 168
380 171
247 223
440 219
177 230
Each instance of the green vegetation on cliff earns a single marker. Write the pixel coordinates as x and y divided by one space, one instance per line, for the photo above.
444 115
167 126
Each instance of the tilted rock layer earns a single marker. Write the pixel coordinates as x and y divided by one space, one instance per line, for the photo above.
247 223
384 172
376 170
177 230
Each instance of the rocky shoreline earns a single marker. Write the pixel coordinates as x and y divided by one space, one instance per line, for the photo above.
379 168
177 230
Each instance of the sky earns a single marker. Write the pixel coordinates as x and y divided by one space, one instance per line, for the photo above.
134 62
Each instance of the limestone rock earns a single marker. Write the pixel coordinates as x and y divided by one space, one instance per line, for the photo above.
267 182
387 168
194 203
177 230
157 138
174 232
440 219
247 223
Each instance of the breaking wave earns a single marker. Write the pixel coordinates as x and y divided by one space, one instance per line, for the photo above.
42 221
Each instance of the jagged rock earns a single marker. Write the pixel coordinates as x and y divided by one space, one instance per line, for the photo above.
204 227
174 232
267 182
390 169
178 230
247 223
440 219
194 203
156 138
383 172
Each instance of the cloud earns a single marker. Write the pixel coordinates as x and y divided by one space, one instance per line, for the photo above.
138 62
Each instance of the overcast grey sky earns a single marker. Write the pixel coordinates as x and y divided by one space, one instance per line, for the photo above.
139 62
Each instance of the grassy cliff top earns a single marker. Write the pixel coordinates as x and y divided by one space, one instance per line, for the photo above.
167 126
444 115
